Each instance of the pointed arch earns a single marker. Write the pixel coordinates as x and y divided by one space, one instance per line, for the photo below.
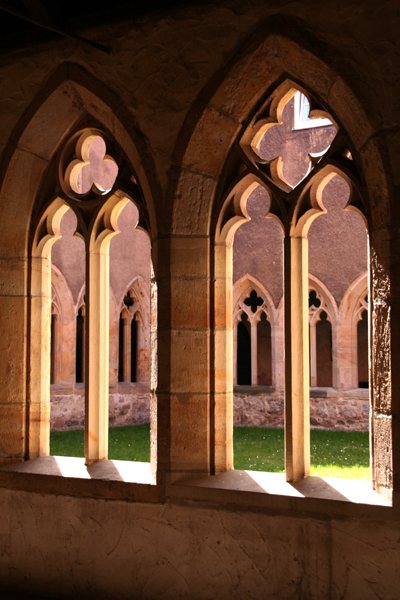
134 350
241 291
353 302
230 110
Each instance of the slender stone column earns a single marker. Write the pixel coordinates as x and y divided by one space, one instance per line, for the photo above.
97 340
83 342
297 395
313 355
346 357
127 350
222 380
39 402
235 331
254 354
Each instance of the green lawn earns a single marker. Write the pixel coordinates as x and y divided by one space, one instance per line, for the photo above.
333 453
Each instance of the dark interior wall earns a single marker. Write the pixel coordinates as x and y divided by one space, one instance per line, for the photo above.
90 548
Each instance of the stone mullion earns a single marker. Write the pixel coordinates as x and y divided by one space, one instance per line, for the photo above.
235 334
39 401
97 354
222 365
297 396
313 354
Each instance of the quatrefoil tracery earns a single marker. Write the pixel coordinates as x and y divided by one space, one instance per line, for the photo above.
295 208
93 169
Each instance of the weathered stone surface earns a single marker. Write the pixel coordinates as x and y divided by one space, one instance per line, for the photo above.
129 404
340 412
172 551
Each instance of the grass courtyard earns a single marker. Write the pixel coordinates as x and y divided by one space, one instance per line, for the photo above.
333 453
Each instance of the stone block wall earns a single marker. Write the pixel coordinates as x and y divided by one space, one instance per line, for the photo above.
129 404
253 406
258 406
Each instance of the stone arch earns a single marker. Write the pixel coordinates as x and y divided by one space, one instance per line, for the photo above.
328 307
142 301
232 101
241 291
329 303
70 99
137 317
74 103
353 303
216 168
350 310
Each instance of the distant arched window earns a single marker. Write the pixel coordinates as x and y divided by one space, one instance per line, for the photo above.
362 350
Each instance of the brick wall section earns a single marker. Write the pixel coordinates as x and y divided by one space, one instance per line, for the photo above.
329 408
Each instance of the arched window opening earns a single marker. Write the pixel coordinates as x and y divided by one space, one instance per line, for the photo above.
134 350
130 268
121 346
362 350
264 351
324 351
244 351
53 349
299 172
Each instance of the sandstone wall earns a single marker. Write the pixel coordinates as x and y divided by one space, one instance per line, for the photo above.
130 405
95 549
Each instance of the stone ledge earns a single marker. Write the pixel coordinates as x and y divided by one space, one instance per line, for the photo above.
133 481
253 390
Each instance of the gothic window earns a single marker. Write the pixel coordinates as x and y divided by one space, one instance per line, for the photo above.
264 351
87 177
295 176
324 351
362 350
132 337
80 346
320 339
243 351
252 339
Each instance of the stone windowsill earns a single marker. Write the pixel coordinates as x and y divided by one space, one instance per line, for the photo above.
133 481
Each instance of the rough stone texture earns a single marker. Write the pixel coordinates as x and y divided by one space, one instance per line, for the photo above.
129 404
105 550
329 409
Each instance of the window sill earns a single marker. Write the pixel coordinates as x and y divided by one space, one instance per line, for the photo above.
133 482
322 496
109 479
